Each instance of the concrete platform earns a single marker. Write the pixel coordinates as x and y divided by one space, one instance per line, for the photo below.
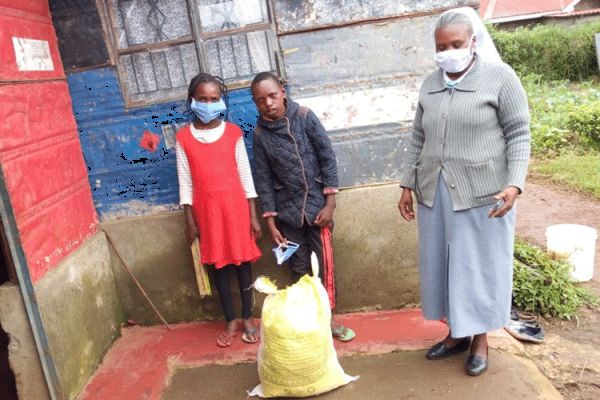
185 363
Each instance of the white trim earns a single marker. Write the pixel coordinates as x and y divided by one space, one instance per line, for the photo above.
489 11
571 6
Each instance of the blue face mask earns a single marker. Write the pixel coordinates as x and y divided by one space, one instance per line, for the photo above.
283 252
208 111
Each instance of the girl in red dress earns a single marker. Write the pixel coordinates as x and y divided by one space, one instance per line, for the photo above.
218 197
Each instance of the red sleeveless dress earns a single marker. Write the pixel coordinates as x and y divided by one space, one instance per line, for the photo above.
219 204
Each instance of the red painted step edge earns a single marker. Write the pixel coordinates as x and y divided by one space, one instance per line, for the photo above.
140 363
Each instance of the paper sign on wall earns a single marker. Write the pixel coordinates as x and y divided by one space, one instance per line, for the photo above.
32 55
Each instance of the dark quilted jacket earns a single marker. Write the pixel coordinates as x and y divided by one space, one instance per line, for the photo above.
294 162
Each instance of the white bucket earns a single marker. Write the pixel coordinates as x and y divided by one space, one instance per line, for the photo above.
578 244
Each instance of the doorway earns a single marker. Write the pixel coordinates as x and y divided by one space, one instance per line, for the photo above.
8 386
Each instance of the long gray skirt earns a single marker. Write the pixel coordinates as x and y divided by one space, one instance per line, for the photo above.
466 265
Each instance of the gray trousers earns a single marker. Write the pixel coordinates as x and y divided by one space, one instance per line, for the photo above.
466 265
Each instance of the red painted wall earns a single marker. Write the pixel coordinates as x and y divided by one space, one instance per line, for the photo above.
40 151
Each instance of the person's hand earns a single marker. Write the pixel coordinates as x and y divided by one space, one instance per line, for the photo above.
276 236
506 201
405 205
325 216
255 228
191 233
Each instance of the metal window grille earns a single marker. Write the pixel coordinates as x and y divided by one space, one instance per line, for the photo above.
161 44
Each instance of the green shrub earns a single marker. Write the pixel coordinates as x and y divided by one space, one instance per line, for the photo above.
551 104
552 51
585 121
543 285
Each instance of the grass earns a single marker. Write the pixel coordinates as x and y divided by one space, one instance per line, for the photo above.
559 154
580 172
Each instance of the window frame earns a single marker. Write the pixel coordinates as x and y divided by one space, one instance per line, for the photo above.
197 37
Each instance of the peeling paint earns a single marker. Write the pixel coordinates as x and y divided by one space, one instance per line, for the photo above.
126 179
356 108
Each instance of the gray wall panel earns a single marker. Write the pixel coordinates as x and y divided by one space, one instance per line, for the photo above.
373 154
359 55
294 15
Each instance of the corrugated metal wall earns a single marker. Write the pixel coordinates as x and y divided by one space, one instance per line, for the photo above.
39 148
127 179
357 64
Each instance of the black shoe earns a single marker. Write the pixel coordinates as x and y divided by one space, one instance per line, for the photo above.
441 351
476 365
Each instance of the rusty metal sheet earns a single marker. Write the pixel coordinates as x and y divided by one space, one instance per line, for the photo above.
298 15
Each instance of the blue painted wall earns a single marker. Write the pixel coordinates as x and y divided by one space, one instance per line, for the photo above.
126 179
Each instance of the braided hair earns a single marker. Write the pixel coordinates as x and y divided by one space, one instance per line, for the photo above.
201 78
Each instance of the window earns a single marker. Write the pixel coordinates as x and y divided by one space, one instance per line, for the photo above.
160 45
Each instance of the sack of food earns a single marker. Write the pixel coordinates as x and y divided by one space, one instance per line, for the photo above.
296 357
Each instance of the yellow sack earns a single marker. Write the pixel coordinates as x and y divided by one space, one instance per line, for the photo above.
296 357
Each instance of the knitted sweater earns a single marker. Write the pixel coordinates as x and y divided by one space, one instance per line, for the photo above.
475 135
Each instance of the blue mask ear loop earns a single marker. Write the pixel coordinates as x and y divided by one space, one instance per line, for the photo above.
226 101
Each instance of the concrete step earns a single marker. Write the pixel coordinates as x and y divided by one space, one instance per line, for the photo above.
144 360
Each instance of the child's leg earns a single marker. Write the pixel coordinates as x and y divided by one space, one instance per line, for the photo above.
315 244
224 289
299 262
244 275
338 330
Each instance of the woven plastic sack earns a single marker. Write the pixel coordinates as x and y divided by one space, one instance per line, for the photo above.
296 357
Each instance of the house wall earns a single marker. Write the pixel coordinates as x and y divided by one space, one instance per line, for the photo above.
40 153
46 178
358 65
375 260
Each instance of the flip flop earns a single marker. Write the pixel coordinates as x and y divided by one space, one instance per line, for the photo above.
225 339
343 334
527 316
248 333
525 331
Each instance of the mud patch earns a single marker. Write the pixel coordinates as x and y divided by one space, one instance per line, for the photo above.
570 357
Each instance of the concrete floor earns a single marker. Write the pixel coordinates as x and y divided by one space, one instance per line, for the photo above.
154 363
399 376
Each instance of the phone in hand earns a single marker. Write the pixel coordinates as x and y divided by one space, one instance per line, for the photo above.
498 204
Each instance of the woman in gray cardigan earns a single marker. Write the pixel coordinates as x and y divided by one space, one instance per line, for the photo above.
467 162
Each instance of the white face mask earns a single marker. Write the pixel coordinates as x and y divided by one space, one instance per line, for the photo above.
456 60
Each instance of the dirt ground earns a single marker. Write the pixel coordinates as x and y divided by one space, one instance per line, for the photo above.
570 356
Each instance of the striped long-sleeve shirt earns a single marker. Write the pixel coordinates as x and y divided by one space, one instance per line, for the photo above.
475 135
